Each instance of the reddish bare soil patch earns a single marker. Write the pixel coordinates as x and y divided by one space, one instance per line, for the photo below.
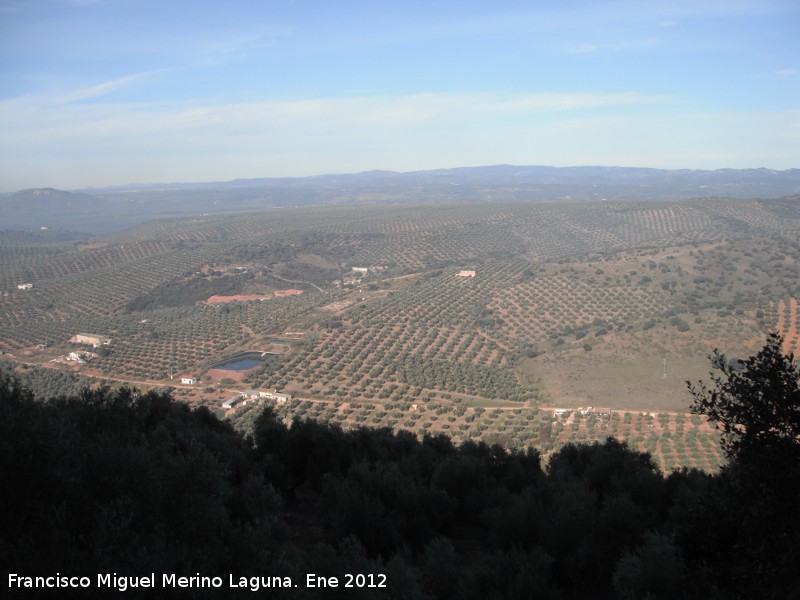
220 374
789 327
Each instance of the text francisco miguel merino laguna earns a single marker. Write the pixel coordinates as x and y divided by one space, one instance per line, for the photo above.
167 581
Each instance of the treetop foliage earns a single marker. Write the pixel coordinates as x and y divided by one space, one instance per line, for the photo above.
748 525
134 483
756 402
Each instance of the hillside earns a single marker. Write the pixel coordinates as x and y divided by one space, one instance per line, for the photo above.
100 210
51 208
608 304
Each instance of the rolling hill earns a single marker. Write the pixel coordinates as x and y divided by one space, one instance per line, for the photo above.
101 210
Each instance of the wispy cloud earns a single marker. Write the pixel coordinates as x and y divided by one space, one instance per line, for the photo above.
355 126
64 116
109 87
224 47
270 85
616 46
98 143
32 102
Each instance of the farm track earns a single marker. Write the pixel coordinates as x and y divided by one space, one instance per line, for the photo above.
296 281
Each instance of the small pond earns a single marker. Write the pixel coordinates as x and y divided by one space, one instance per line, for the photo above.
240 362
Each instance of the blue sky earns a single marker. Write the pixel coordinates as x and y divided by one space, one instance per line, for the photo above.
101 92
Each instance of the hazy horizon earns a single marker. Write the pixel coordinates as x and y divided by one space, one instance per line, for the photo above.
211 182
102 93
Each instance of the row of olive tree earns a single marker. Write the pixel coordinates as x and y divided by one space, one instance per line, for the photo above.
136 483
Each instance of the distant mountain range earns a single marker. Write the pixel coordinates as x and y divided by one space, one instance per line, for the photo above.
99 210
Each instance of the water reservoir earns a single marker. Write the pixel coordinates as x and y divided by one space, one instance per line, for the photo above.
240 362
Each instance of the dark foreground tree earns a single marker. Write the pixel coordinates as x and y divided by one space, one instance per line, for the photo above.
133 483
128 483
756 403
746 530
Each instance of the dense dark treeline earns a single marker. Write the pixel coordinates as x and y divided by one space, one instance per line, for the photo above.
137 483
44 382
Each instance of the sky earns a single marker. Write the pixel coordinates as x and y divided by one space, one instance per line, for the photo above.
114 92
